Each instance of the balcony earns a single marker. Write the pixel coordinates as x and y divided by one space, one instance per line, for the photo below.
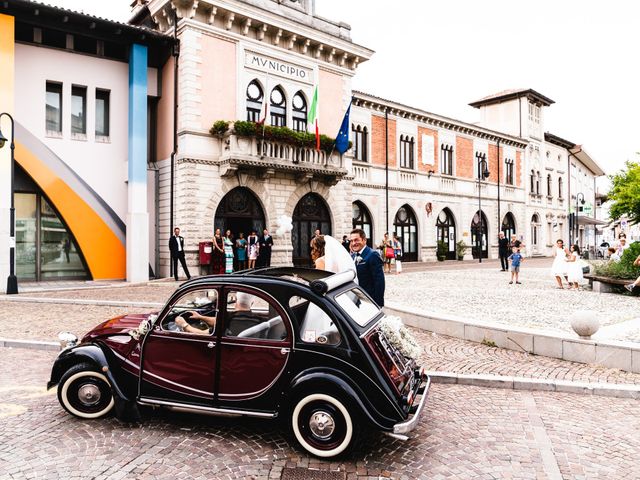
407 179
265 157
361 174
447 184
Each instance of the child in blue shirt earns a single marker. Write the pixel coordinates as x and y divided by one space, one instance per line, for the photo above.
515 259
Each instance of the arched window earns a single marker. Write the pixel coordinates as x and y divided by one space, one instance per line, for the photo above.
549 192
254 101
446 159
481 166
311 213
299 113
508 171
406 227
560 188
406 151
538 183
533 182
479 235
508 225
278 108
360 142
446 232
361 218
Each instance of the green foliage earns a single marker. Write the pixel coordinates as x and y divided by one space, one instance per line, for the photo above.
441 250
461 248
624 268
277 134
219 128
488 343
625 193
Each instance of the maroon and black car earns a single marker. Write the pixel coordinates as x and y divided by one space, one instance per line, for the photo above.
301 344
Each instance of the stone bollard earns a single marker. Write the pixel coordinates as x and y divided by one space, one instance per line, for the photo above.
585 323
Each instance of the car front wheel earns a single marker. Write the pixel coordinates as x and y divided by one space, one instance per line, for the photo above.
323 425
84 392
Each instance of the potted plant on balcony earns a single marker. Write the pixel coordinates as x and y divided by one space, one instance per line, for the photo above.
441 251
219 128
461 249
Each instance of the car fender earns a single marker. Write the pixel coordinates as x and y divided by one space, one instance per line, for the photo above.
330 381
126 408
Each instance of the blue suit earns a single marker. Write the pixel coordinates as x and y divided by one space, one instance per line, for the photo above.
370 274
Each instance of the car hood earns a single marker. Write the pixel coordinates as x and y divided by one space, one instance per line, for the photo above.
116 326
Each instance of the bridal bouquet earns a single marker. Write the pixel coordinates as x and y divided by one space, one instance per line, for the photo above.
400 337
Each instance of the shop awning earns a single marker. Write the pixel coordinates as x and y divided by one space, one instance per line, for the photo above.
584 220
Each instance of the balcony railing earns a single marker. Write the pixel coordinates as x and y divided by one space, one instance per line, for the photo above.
447 184
361 174
407 179
254 152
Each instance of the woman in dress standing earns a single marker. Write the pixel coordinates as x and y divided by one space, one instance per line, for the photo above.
574 267
241 250
228 252
217 256
253 249
559 267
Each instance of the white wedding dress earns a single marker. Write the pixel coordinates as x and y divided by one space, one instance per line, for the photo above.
336 257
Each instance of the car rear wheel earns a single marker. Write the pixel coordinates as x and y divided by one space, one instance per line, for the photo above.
85 392
323 425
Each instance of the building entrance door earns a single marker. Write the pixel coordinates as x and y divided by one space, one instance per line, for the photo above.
311 213
479 243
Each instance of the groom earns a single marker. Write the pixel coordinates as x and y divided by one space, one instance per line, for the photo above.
369 266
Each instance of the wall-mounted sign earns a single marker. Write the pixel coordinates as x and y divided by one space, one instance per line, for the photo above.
278 67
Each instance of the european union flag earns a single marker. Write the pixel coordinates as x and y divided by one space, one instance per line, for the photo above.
342 139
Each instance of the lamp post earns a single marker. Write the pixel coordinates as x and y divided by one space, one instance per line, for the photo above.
483 174
12 280
579 200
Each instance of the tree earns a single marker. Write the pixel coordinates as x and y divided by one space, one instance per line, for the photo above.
625 193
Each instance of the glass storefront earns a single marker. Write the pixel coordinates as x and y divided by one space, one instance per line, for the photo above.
45 249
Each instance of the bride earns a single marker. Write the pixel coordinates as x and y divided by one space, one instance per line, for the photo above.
328 254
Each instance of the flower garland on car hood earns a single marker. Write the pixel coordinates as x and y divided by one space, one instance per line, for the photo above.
399 336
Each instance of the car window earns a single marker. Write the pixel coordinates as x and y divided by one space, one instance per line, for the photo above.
358 306
316 326
198 308
252 316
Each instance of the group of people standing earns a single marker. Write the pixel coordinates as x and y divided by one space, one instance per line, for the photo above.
566 264
229 254
226 252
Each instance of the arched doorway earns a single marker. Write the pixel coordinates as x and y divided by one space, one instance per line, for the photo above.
239 211
446 232
535 234
479 229
362 219
311 213
508 225
406 227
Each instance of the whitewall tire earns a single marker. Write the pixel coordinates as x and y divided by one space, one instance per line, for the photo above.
85 393
322 425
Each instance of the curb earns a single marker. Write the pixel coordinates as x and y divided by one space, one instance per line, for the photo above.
450 378
547 343
97 303
537 385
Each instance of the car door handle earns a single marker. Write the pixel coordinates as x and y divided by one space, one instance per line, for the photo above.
284 351
210 345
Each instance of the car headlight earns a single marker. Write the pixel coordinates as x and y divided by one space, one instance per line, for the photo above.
67 339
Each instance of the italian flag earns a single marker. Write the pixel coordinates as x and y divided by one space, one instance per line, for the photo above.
313 116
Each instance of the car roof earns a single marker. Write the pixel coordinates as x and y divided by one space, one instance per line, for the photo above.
289 275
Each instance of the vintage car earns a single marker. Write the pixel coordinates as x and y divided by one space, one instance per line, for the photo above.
300 344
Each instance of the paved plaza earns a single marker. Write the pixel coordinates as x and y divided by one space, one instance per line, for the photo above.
467 431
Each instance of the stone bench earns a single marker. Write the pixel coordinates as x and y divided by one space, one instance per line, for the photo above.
606 284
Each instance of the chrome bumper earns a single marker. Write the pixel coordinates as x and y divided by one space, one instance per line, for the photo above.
411 422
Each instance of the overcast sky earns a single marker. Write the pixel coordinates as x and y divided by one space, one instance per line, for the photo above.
439 55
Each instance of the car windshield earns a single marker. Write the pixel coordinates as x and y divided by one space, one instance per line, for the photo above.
358 306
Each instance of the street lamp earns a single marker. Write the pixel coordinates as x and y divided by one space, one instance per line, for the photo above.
12 280
579 200
483 174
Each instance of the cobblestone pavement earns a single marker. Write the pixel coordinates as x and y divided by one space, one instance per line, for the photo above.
466 433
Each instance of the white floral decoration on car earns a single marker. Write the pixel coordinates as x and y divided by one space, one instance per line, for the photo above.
399 336
143 327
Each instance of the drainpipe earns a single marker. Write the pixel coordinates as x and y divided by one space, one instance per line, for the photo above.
176 55
499 217
386 167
